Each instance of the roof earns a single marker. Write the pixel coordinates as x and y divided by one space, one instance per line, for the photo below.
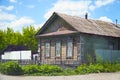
15 48
88 26
58 33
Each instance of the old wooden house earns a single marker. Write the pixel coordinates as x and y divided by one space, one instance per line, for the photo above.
66 39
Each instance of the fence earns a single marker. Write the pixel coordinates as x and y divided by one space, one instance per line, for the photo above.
111 56
22 62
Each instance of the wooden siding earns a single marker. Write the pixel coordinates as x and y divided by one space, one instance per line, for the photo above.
63 59
42 50
52 49
58 25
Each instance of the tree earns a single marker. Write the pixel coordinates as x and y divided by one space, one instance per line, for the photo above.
26 38
29 38
2 40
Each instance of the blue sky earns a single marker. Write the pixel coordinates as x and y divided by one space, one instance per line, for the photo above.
17 14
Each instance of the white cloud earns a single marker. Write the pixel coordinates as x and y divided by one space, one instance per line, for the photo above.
104 18
30 6
100 3
13 1
38 26
78 8
6 16
23 21
10 20
9 8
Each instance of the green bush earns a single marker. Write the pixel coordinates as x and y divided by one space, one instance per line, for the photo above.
0 66
97 68
31 69
11 68
82 69
42 70
50 69
108 67
69 71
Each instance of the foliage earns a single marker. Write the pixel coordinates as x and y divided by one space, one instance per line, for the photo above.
26 38
11 68
0 66
82 69
30 69
43 69
108 67
50 68
29 38
97 68
69 71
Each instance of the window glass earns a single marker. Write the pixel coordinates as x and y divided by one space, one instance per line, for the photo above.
47 49
57 48
69 48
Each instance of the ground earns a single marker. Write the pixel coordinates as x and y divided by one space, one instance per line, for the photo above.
95 76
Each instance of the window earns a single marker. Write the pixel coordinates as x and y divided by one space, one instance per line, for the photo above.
69 48
47 49
57 48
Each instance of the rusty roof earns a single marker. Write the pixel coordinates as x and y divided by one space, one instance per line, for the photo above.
88 26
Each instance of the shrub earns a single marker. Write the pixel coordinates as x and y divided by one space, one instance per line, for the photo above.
30 69
50 69
108 67
82 69
95 68
0 66
69 71
42 70
11 68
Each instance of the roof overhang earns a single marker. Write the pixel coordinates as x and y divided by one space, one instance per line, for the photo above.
57 33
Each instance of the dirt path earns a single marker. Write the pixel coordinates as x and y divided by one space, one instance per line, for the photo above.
98 76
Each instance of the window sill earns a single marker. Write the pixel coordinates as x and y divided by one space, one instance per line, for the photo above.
69 57
57 57
47 57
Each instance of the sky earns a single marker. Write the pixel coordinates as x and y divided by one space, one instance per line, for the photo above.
17 14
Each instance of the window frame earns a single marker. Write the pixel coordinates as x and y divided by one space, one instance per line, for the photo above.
59 48
48 41
69 39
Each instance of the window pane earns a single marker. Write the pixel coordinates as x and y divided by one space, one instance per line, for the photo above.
69 48
57 48
47 49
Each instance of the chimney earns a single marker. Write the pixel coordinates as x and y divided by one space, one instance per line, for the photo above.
86 16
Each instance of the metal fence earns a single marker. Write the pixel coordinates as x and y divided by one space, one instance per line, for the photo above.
111 56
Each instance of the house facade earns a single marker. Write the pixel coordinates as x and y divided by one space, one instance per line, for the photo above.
66 39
